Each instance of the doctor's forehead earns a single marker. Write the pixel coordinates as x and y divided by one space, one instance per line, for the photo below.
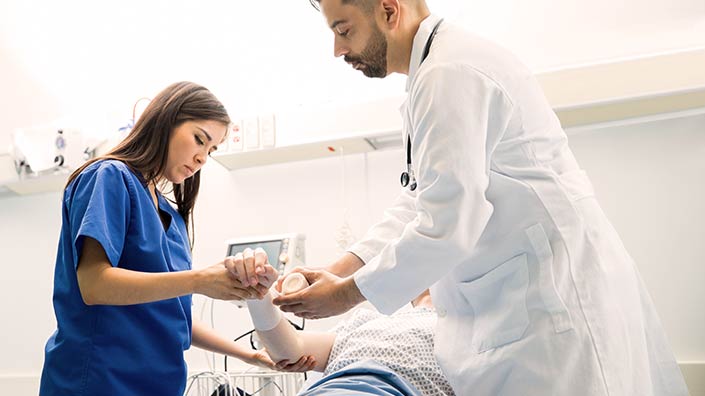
340 11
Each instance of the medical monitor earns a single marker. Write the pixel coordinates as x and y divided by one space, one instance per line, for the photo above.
284 251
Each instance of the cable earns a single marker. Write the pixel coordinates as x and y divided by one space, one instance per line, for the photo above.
366 172
344 235
252 342
238 338
213 327
342 159
134 107
124 130
200 318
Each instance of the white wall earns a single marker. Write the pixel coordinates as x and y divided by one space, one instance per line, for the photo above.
78 58
649 179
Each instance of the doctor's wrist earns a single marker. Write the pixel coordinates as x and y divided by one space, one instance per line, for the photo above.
346 265
351 293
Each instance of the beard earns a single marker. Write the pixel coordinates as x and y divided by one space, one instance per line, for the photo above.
374 56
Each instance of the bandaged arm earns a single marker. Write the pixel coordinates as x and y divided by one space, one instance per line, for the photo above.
280 338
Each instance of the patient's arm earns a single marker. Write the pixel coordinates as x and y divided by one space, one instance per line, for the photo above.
280 338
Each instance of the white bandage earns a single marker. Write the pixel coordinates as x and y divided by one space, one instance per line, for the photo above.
294 282
265 315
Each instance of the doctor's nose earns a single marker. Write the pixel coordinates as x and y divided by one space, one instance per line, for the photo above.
339 49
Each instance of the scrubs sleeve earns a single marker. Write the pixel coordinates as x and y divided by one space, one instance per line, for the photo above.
453 108
100 209
378 236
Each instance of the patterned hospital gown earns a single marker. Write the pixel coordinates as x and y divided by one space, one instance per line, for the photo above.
403 342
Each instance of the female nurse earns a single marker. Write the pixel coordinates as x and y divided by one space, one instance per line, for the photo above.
123 279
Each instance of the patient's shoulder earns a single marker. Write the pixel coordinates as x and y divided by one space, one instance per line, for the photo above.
355 319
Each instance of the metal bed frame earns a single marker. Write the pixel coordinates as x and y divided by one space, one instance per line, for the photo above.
244 383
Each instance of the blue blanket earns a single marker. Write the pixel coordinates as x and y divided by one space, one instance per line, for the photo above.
364 378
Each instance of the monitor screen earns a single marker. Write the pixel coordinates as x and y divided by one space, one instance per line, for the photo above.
272 248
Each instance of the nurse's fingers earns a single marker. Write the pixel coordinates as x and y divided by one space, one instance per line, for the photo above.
259 290
248 256
260 260
236 266
268 276
305 363
248 293
281 365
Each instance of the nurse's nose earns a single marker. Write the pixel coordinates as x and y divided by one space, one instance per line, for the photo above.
201 159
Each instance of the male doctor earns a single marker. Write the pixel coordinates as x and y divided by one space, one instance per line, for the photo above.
534 291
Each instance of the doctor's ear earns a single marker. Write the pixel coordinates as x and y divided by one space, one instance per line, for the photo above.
391 12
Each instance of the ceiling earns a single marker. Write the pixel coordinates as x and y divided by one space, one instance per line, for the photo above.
88 61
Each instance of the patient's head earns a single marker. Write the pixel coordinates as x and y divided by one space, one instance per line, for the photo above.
423 299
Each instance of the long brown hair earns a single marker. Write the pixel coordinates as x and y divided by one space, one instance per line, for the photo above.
145 149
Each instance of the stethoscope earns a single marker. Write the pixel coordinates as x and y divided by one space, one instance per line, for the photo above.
408 178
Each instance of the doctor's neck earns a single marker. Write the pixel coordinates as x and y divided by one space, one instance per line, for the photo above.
403 23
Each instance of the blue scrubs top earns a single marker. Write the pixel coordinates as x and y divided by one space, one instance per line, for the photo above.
117 350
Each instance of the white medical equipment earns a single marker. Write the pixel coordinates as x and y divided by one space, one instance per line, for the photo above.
285 251
47 149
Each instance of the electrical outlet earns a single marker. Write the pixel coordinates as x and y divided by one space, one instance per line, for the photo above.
251 133
267 130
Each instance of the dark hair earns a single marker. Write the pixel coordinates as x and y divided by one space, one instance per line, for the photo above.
365 5
145 149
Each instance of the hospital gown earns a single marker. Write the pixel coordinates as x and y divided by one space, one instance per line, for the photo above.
403 342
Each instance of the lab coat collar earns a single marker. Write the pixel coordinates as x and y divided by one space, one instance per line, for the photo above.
422 35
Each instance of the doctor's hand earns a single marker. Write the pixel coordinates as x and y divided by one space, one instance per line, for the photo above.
217 282
328 295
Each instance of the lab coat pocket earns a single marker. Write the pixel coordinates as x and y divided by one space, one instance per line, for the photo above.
498 299
549 295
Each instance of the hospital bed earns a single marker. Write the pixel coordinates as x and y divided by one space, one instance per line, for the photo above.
244 383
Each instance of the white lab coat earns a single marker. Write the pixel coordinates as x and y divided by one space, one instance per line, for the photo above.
535 293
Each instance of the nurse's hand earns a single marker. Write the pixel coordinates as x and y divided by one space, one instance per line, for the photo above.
248 266
305 363
328 295
218 282
262 359
268 277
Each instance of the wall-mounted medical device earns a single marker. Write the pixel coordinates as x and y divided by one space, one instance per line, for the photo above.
285 251
47 149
